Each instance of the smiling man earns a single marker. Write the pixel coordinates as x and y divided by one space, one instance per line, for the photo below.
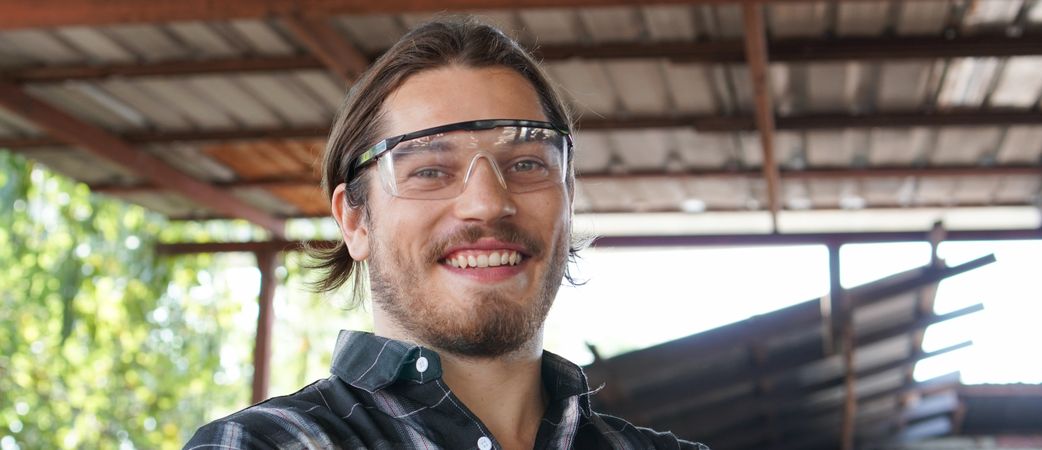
449 172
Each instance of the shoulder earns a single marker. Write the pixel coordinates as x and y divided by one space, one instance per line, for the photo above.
292 421
618 433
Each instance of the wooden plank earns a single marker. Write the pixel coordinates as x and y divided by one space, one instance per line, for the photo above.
756 60
328 45
73 131
92 12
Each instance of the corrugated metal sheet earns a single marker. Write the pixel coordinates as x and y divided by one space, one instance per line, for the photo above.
615 88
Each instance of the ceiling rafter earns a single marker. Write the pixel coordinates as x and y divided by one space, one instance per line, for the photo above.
788 174
703 123
756 58
729 51
73 131
328 45
759 328
92 12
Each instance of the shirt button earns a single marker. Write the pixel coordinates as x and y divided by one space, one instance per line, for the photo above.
421 364
484 443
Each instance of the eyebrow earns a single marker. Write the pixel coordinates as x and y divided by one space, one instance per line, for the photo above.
439 145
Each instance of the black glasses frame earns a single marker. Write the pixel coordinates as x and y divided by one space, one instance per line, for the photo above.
382 147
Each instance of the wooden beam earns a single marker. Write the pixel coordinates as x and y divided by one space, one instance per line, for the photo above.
73 131
267 262
328 45
817 121
756 58
712 52
92 12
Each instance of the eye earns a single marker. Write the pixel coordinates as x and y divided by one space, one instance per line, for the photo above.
429 172
527 165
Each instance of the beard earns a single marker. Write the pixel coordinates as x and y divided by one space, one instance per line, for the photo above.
494 324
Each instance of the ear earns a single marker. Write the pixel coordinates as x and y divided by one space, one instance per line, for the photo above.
353 226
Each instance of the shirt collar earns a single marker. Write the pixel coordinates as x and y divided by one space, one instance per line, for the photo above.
370 362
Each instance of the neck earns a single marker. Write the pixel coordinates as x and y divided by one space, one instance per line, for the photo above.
506 393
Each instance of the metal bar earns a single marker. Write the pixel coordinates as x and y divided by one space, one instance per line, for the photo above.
817 121
267 262
91 12
73 131
785 50
806 174
809 238
833 324
756 58
56 74
849 394
665 241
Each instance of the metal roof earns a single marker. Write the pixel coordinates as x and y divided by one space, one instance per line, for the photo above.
780 380
948 91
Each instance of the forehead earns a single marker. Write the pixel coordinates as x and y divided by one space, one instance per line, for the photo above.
457 94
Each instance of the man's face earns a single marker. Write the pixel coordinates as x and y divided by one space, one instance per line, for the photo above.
474 311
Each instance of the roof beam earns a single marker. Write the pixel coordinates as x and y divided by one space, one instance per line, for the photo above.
731 51
328 45
804 314
73 131
806 174
93 12
756 59
703 123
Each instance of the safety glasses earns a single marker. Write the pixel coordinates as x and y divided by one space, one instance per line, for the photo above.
436 163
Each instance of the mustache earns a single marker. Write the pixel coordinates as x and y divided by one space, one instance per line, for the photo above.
469 234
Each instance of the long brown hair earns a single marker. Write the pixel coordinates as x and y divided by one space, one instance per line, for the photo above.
447 41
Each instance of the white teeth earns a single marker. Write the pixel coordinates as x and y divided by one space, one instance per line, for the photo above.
493 259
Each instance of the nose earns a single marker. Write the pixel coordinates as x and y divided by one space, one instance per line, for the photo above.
485 197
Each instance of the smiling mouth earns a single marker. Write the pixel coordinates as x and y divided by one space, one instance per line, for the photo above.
471 259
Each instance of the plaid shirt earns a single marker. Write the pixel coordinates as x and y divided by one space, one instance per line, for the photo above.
387 394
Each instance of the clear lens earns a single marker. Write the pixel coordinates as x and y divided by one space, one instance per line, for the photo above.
438 166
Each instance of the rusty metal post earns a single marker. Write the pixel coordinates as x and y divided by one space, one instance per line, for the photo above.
267 261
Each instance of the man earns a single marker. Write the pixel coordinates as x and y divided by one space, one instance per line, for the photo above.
449 172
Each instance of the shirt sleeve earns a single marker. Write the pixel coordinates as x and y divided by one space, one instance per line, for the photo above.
226 435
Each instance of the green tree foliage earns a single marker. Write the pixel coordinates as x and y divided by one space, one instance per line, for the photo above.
102 344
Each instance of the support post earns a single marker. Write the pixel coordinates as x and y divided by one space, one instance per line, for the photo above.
757 60
267 261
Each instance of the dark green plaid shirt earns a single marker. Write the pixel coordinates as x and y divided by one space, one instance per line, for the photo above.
387 394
